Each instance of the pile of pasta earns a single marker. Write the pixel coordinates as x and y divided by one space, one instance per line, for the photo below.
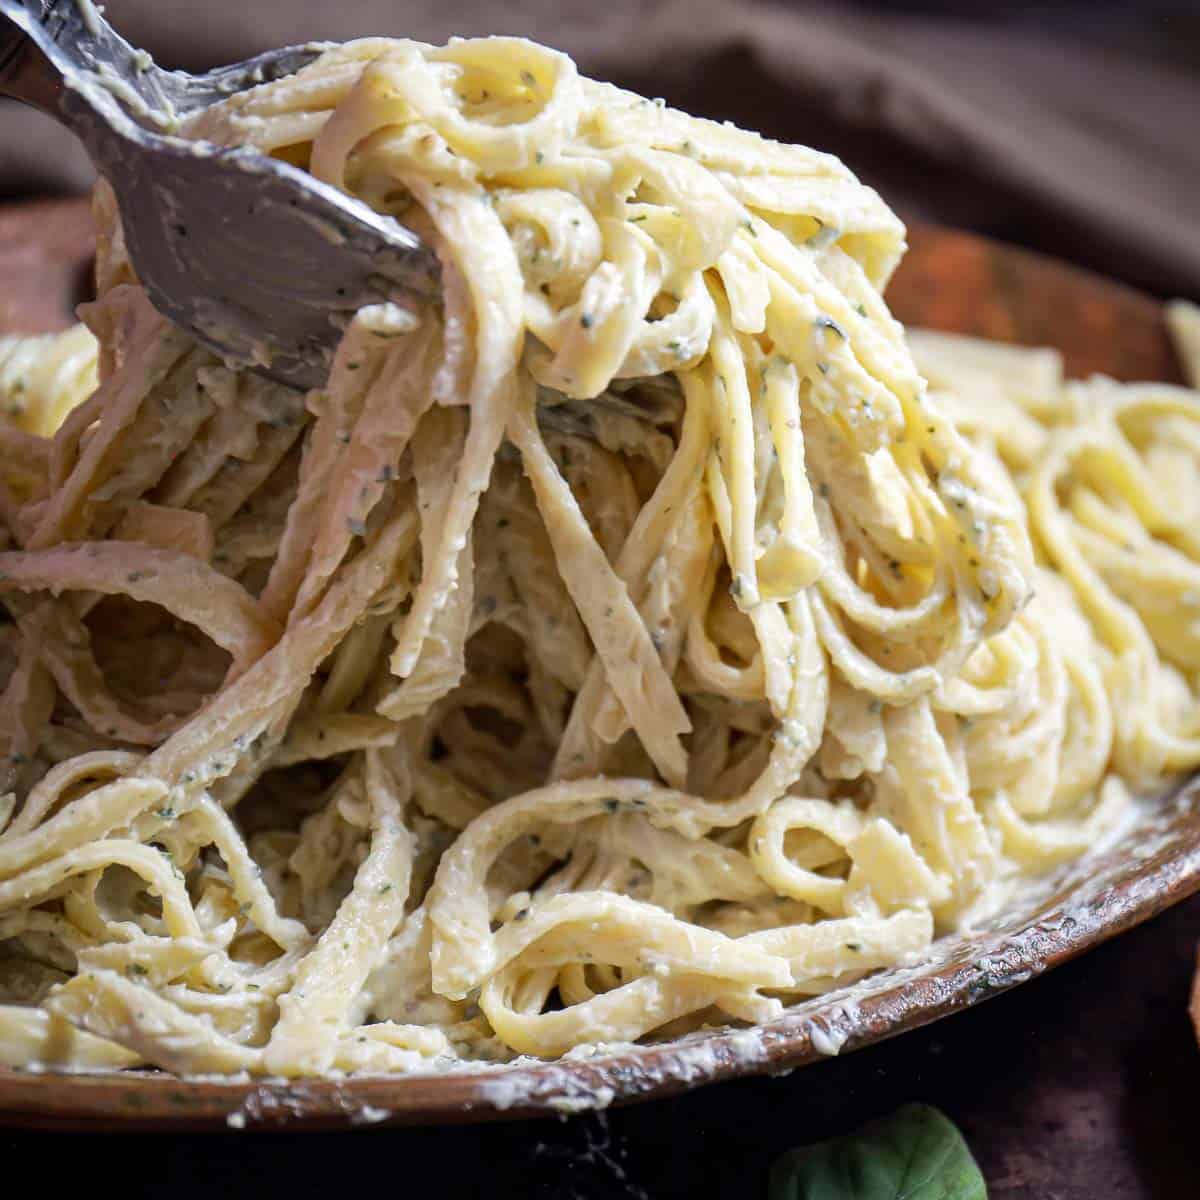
631 642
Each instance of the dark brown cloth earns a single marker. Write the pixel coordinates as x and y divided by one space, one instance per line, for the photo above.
1016 128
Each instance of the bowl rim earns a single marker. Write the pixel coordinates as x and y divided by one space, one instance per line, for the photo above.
1091 900
1158 865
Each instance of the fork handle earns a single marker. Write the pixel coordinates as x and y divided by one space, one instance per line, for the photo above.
60 56
26 72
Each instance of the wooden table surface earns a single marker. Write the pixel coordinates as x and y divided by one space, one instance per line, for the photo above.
1083 1084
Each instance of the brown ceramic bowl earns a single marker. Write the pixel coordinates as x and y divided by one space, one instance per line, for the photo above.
952 281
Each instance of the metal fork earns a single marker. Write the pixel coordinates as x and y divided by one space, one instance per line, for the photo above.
252 256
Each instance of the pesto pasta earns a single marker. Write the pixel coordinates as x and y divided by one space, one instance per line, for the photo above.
633 641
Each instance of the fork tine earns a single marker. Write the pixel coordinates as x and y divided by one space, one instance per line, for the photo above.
200 91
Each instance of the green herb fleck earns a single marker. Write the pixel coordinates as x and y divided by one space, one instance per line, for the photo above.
826 322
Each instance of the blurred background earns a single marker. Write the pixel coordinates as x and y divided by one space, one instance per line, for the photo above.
1070 126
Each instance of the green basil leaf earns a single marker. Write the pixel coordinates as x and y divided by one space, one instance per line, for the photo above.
915 1154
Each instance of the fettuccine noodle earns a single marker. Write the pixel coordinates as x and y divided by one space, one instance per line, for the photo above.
631 642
